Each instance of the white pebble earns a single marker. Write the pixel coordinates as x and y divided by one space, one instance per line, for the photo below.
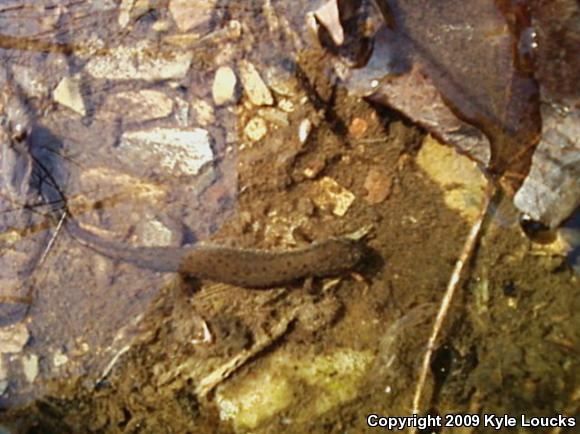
68 93
304 130
256 89
224 85
256 129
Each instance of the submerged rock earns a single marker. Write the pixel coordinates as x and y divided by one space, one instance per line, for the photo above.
256 129
551 191
191 13
378 185
184 151
13 338
140 62
224 85
257 91
137 106
68 93
333 197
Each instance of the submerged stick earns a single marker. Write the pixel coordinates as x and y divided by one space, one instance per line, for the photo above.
464 257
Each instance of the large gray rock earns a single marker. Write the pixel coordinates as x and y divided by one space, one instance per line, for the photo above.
551 191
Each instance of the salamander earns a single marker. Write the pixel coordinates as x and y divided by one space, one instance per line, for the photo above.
250 268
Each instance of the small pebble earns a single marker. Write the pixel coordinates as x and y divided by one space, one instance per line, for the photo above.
378 185
224 85
257 91
59 359
314 168
13 338
281 82
30 367
68 93
333 197
275 116
191 13
304 130
137 106
202 112
160 26
357 127
286 105
256 129
130 10
154 233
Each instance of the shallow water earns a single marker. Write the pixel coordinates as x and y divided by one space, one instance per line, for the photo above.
130 138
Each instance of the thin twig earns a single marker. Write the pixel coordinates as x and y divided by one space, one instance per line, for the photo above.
463 260
53 238
31 293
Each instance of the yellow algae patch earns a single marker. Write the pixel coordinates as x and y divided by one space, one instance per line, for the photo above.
304 386
461 179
